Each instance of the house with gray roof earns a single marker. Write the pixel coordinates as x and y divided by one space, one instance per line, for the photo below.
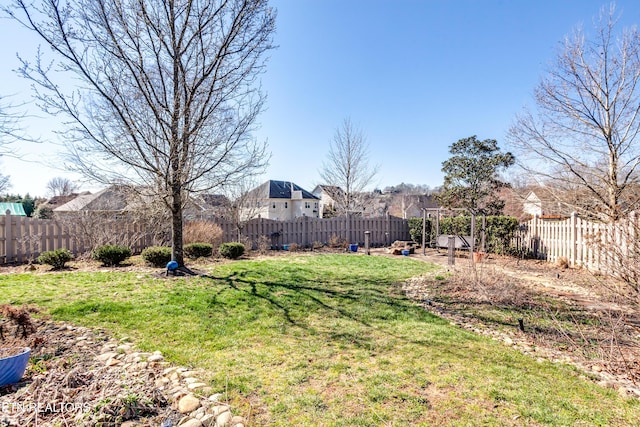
117 201
109 201
279 200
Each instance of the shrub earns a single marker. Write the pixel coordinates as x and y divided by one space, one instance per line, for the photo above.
294 247
158 256
337 242
110 255
415 230
202 232
198 250
264 244
231 250
57 259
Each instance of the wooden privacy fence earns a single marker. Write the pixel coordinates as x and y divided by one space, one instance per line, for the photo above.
306 231
22 239
594 245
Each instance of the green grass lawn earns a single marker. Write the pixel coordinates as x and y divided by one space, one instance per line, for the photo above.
325 340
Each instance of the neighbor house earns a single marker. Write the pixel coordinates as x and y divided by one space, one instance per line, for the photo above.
544 204
115 202
110 202
279 200
329 196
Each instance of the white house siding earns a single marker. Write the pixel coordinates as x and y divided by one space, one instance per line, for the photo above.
532 205
283 209
287 209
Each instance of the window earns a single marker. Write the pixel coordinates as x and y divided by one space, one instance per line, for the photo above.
307 205
286 205
273 205
315 205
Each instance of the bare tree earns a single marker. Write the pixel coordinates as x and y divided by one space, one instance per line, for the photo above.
347 167
245 205
60 186
168 94
582 139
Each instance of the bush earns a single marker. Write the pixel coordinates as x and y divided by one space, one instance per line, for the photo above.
202 232
231 250
57 259
111 255
415 230
294 247
198 250
158 256
337 242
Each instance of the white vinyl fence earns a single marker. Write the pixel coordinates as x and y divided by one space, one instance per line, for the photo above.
594 245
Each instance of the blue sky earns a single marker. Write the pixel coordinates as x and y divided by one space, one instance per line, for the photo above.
414 75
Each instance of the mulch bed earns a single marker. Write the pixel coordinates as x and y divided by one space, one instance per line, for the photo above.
66 385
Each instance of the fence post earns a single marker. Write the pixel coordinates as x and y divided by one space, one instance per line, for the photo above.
535 236
8 236
573 249
366 242
473 239
424 231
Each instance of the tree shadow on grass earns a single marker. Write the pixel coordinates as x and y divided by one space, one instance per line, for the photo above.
367 306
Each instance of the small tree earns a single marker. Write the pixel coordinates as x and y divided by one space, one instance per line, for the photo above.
244 206
471 176
347 168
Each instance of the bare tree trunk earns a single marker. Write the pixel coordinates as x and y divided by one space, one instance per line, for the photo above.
176 226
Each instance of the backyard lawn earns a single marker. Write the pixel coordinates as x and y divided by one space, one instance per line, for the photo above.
324 340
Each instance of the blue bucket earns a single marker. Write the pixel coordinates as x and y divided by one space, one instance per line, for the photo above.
405 252
12 367
353 247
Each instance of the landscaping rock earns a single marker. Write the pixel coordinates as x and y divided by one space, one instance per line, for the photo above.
223 419
107 364
188 403
192 423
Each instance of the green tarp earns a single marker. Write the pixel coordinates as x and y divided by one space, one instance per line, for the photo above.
14 209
